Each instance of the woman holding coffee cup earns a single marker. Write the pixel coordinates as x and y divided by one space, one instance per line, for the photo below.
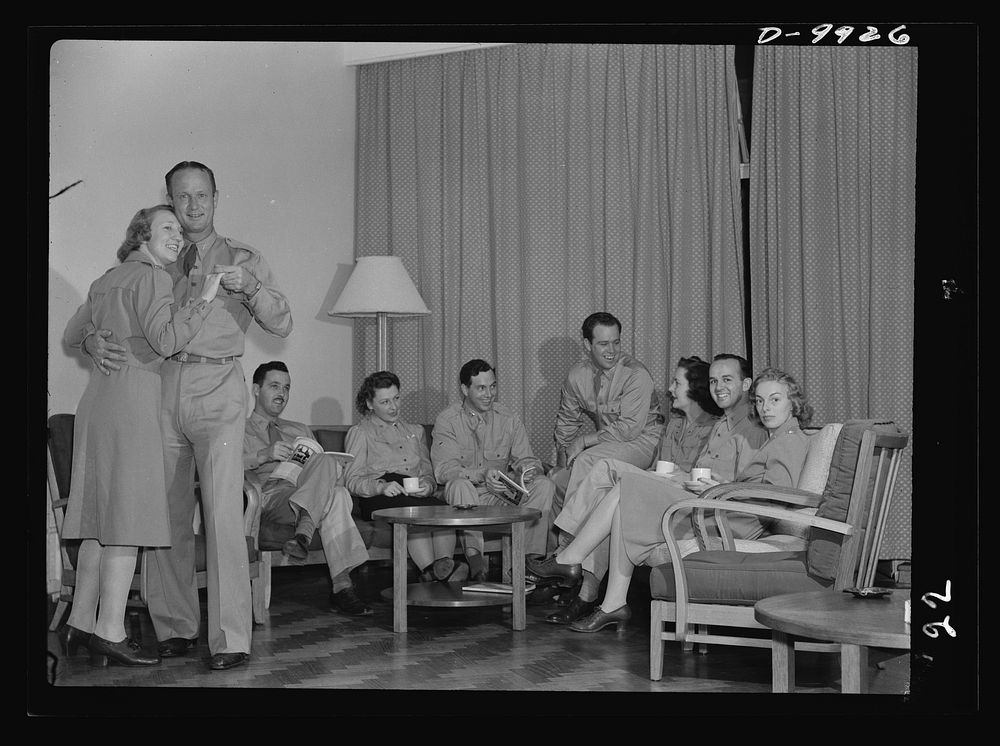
633 521
391 468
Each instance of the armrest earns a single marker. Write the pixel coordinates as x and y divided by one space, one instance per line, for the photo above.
700 504
747 491
253 497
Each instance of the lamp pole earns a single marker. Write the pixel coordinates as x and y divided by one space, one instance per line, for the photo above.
382 351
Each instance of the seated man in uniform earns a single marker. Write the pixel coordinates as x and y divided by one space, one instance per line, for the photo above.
473 440
315 501
615 392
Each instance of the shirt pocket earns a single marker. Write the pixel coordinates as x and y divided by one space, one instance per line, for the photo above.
612 410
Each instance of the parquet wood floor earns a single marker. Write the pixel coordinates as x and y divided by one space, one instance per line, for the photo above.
304 646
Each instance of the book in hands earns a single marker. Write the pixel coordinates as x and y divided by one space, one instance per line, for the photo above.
520 489
302 450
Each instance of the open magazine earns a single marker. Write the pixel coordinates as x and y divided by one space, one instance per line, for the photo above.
302 450
519 489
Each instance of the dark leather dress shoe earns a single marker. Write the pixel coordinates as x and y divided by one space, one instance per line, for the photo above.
598 619
71 638
125 653
347 602
571 613
297 548
222 661
567 596
570 575
175 647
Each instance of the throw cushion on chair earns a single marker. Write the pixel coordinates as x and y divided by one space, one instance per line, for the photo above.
823 553
816 469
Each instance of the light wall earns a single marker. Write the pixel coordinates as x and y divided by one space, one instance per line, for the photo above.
275 122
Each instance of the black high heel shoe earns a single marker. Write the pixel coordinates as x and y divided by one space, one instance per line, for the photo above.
125 653
71 638
598 619
569 575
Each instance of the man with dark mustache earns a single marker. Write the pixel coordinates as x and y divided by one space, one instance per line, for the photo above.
314 502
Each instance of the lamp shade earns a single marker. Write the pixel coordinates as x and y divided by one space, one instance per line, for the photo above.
379 285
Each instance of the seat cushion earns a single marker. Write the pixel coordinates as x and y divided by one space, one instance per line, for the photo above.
736 578
331 438
823 553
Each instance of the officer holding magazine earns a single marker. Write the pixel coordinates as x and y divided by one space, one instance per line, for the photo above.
481 455
298 484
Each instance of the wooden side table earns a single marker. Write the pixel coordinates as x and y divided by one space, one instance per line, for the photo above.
832 616
451 594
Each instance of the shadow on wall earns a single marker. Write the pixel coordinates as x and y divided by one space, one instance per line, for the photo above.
64 299
555 357
327 411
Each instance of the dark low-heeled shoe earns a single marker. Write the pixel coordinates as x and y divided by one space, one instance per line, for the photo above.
577 609
567 596
550 568
71 638
598 619
225 661
125 653
297 548
175 646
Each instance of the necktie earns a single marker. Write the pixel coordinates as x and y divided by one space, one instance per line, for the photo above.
190 257
598 380
273 433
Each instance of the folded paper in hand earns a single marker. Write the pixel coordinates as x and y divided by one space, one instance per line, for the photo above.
520 489
302 450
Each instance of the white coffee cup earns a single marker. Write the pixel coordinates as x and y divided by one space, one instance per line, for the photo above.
411 484
699 474
665 467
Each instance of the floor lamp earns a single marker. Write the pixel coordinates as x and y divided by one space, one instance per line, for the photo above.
379 287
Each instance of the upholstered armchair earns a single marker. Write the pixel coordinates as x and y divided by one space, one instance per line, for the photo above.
708 595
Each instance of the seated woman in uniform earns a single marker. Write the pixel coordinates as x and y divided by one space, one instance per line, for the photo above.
387 449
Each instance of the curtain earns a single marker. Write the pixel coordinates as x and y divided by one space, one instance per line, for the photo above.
832 201
527 186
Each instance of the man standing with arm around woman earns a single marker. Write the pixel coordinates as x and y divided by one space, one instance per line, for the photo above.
203 419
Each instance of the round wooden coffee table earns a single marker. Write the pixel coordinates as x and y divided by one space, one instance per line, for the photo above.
832 616
451 594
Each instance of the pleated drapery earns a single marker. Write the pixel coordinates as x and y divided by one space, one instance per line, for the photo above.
832 213
525 187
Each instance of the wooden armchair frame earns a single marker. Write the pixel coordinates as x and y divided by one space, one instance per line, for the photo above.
862 528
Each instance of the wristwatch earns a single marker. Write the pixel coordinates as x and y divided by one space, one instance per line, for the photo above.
253 292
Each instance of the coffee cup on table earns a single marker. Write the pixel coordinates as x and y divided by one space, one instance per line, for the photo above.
411 484
698 474
665 467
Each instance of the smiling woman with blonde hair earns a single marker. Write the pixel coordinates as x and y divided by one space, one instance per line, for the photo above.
118 499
